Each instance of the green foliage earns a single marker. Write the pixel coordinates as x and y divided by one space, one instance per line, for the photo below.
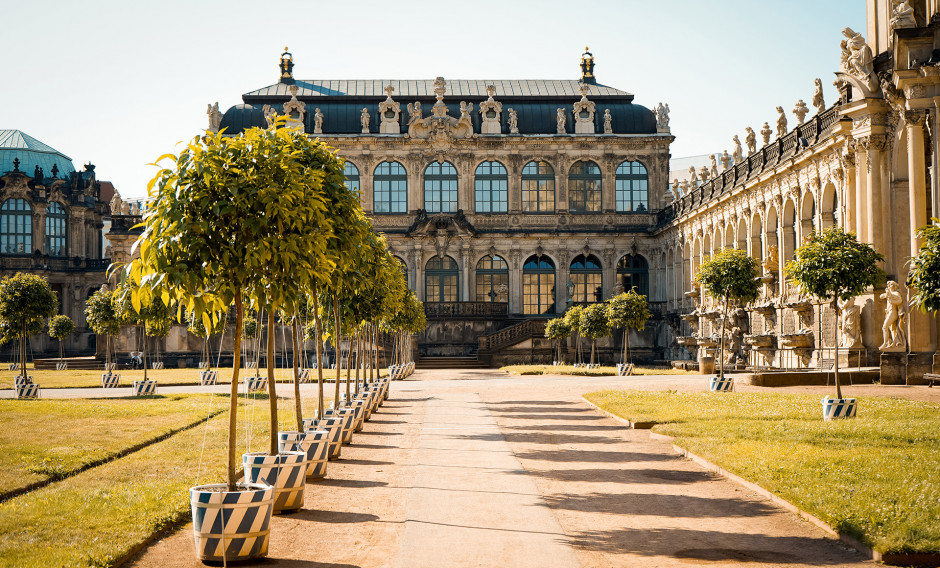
834 264
557 328
730 273
924 276
251 327
26 300
573 318
101 315
155 316
60 327
195 324
628 310
593 322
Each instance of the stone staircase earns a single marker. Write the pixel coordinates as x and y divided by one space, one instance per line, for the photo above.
449 363
75 363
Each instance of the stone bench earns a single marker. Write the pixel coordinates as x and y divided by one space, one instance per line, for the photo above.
931 378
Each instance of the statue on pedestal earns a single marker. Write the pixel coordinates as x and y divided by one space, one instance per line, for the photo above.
818 100
317 122
608 126
800 110
891 329
851 325
781 123
726 159
513 121
738 152
751 140
765 133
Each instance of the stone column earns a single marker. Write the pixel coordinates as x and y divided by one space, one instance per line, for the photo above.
366 194
561 184
39 229
465 186
861 192
515 282
514 169
418 256
465 253
875 209
608 186
847 198
920 333
415 185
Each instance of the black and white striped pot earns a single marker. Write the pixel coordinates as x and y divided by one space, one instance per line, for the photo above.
285 471
208 378
110 380
359 407
142 388
28 390
317 445
349 422
838 408
717 384
253 384
20 381
231 525
333 425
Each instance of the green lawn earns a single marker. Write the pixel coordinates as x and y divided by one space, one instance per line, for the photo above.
876 477
97 516
583 371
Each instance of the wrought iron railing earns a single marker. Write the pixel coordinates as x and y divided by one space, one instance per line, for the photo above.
466 310
42 262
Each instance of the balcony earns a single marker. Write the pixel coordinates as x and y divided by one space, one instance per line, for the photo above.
37 263
466 310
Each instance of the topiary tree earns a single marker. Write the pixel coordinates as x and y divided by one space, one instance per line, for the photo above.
594 325
628 310
26 300
924 277
103 319
731 274
833 265
557 329
573 319
60 327
152 318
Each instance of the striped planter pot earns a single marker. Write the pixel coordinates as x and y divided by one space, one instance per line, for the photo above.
156 365
256 383
838 408
333 425
145 387
304 376
208 378
203 365
110 380
231 525
720 385
316 443
30 390
20 380
285 472
375 391
624 370
62 366
358 406
14 366
349 423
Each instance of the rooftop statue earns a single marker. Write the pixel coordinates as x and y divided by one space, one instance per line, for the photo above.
714 167
364 120
738 152
269 115
800 110
693 177
765 133
902 16
750 140
662 117
856 56
726 158
414 112
317 121
560 120
818 100
781 123
513 121
608 120
215 117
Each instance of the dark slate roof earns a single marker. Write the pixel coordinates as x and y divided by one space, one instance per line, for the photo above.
15 144
425 88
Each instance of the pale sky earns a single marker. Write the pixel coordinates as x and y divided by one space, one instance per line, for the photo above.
119 83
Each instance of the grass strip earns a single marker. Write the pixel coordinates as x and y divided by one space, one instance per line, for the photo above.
98 517
585 372
875 477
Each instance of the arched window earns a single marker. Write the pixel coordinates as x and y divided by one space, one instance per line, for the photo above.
633 270
16 227
390 188
56 236
491 188
492 279
632 188
587 280
584 188
538 188
352 176
538 285
440 188
441 278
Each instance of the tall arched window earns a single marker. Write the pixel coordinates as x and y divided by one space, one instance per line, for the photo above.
633 270
16 227
584 188
441 280
538 188
56 236
587 280
632 188
390 188
492 279
538 285
440 188
352 176
491 188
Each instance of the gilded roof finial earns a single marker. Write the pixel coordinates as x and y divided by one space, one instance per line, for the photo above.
587 67
287 67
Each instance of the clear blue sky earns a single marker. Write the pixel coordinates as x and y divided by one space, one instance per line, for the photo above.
119 83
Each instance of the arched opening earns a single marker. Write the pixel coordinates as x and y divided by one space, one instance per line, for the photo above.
830 206
633 271
585 274
741 241
729 236
440 188
538 285
757 237
389 188
808 221
441 280
491 188
789 232
492 279
771 228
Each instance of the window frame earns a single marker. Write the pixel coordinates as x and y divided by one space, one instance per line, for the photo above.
486 276
578 177
439 274
483 183
352 179
540 274
22 220
54 218
643 286
434 182
628 184
396 190
584 278
542 181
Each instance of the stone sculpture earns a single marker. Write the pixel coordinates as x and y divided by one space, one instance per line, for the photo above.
703 173
465 109
583 113
608 122
765 133
364 120
800 110
295 109
713 172
513 121
693 177
414 112
851 337
662 117
738 153
125 208
856 57
116 203
771 262
726 158
317 122
269 115
676 192
389 110
902 16
751 140
560 120
440 129
684 186
891 329
490 112
215 117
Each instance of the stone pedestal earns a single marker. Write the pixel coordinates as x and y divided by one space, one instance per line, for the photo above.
917 365
706 365
852 358
894 368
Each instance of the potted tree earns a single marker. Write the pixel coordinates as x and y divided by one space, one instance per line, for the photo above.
833 266
594 325
60 327
103 319
557 329
573 319
729 275
149 318
627 310
195 326
26 300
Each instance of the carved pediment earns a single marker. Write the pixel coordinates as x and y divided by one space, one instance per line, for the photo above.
453 225
441 129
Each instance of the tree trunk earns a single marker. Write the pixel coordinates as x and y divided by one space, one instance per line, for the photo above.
233 398
626 345
294 345
61 349
319 338
721 340
337 322
143 333
593 341
835 365
272 390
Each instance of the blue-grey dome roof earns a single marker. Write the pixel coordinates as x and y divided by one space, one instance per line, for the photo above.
17 145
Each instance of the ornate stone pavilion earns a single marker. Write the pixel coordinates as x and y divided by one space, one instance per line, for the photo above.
506 201
51 218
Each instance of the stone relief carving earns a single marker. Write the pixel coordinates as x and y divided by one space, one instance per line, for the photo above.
490 111
317 121
818 100
513 121
781 123
295 109
364 120
851 337
800 110
738 152
751 140
857 58
662 118
583 112
608 122
560 120
215 117
389 110
765 133
414 113
440 128
891 329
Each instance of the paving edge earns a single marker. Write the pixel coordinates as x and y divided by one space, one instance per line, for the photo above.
901 559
